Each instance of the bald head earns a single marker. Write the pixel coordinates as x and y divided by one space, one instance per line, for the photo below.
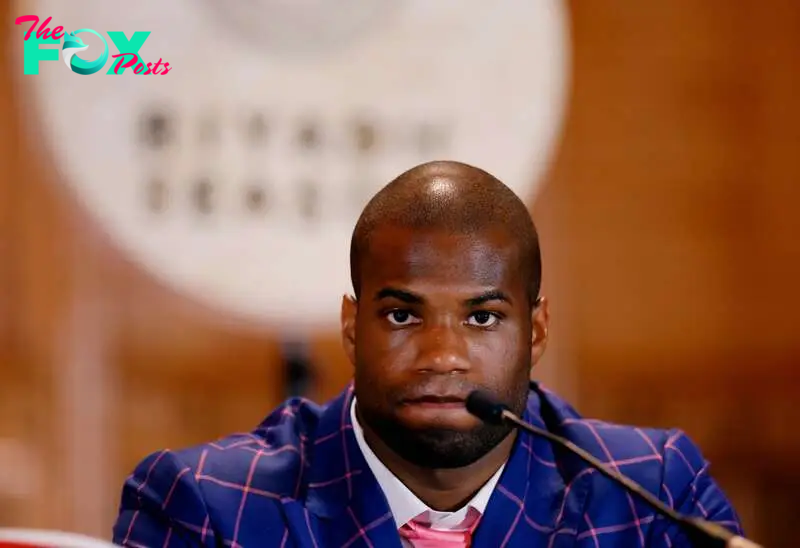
451 197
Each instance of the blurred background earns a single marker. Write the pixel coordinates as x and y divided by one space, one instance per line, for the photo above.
661 170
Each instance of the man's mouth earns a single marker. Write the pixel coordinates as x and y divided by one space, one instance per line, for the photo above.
436 401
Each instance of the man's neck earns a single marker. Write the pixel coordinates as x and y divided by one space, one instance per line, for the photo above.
443 490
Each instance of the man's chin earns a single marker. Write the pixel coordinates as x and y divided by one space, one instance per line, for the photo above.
443 446
439 449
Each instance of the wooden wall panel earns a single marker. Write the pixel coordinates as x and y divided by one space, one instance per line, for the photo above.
676 188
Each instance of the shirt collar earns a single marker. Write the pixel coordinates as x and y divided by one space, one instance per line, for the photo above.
404 504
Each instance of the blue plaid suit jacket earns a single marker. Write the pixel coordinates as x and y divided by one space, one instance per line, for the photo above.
300 480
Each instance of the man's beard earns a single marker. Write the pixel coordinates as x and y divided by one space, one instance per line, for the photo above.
437 447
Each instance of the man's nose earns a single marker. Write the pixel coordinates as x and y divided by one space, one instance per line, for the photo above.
443 351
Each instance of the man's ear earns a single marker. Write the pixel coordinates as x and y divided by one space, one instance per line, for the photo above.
540 320
349 317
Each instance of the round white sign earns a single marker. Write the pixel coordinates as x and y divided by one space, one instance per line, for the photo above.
236 177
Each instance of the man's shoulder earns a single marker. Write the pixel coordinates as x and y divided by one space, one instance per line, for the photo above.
636 450
268 459
655 456
203 488
665 462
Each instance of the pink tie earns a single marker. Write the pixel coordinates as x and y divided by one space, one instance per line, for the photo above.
422 536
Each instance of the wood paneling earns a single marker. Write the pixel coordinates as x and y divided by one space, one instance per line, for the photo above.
675 190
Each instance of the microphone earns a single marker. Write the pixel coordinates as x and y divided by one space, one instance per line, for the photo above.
488 409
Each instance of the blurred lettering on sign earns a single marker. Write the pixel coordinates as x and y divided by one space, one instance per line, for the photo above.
127 56
258 189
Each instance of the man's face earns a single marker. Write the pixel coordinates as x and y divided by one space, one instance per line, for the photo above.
438 316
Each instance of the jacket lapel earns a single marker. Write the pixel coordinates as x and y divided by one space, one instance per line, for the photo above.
345 501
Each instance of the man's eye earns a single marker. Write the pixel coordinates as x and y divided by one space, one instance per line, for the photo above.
483 318
401 317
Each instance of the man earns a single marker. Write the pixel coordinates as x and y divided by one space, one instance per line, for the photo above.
446 273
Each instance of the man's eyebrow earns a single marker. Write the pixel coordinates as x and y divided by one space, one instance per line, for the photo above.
483 298
399 294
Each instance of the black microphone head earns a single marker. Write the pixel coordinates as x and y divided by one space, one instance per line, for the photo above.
485 407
